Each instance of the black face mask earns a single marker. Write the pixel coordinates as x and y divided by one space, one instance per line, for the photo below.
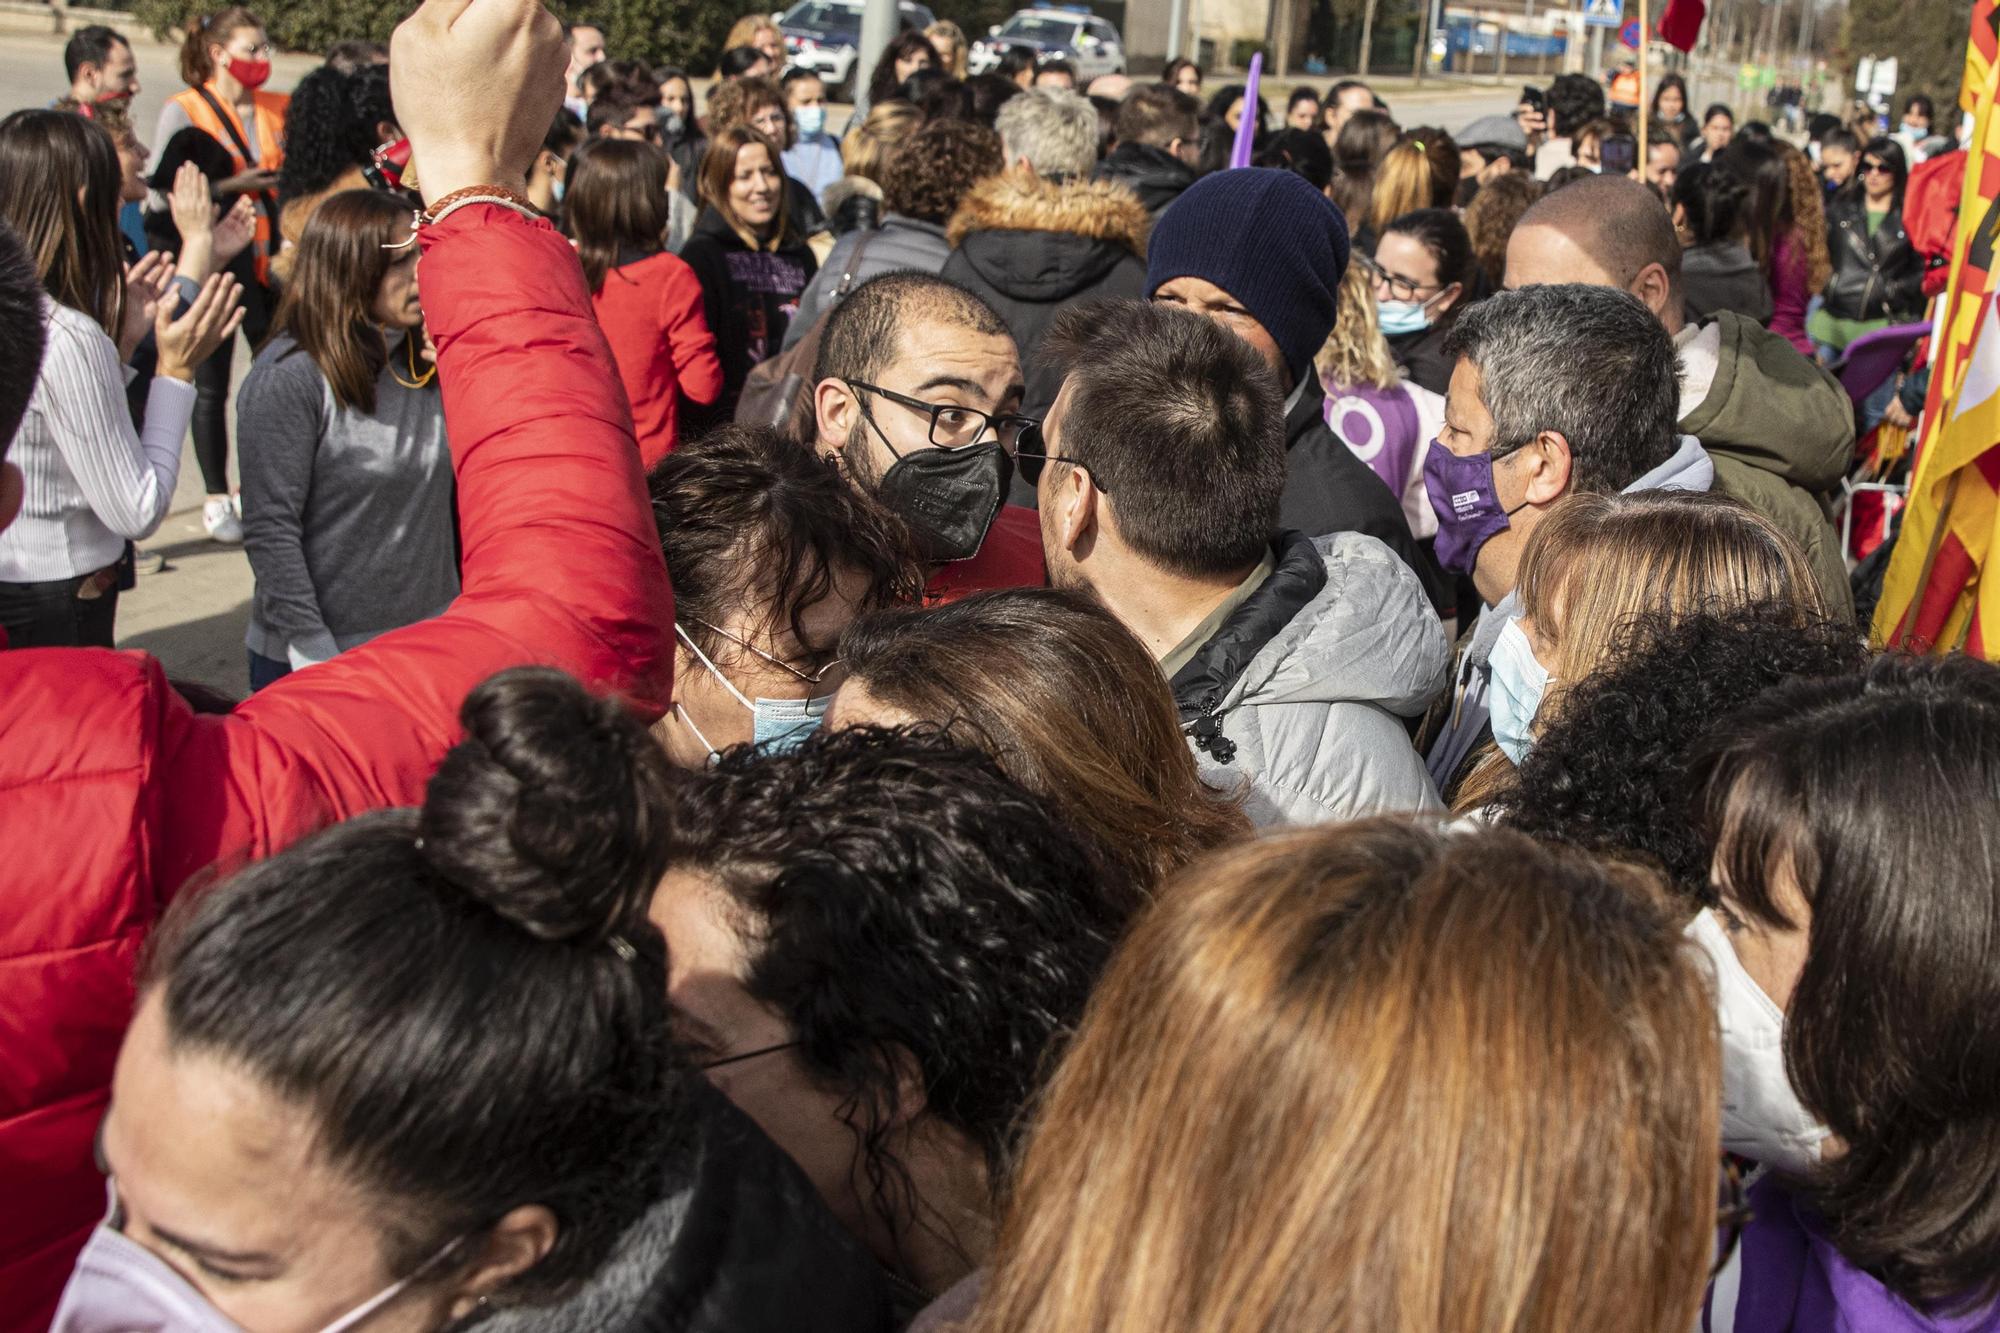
949 497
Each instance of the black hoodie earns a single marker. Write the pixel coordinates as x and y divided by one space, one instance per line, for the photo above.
1154 174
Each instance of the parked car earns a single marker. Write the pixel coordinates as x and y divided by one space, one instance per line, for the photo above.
1068 32
821 35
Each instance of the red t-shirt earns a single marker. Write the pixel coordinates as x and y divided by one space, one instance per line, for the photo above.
1010 557
651 314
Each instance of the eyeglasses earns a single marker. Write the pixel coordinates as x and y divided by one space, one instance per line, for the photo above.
955 427
747 1055
809 677
1400 287
1876 168
1732 1214
1033 454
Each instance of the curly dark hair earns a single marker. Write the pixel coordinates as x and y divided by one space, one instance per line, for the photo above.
332 127
929 176
901 894
1613 774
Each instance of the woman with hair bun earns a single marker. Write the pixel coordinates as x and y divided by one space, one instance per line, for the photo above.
419 1066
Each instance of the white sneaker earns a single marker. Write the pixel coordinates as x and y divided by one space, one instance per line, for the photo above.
218 516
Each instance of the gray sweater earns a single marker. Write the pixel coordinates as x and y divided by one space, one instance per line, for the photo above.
347 518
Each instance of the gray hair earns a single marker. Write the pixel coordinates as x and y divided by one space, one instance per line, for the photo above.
1592 364
1054 128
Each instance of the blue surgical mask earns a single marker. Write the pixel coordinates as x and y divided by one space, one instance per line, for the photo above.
811 121
558 187
777 725
1519 680
1400 317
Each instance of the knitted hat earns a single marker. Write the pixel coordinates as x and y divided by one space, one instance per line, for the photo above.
1267 238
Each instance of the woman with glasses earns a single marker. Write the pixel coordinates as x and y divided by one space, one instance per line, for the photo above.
1377 1076
1878 277
1420 269
1855 823
772 555
749 254
348 496
226 61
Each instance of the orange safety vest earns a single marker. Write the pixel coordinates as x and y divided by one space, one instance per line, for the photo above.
271 109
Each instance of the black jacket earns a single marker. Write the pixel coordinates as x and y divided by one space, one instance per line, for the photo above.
1421 356
1874 277
748 297
1031 247
1154 174
738 1243
1328 489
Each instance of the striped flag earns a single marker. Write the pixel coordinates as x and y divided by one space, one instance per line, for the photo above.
1981 53
1935 596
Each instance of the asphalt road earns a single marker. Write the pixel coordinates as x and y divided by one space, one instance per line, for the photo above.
193 598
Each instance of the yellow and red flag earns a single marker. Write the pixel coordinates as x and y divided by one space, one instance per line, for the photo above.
1937 594
1981 53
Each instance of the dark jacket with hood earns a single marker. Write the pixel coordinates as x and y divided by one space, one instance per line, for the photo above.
1874 277
1328 489
1154 174
1421 357
748 296
1031 246
739 1242
1724 276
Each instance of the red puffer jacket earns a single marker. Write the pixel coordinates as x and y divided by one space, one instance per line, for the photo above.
113 794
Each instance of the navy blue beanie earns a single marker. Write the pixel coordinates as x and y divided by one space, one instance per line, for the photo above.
1270 240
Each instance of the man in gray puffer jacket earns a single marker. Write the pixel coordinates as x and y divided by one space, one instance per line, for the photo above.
1294 660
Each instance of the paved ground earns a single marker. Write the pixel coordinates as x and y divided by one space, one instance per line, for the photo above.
193 597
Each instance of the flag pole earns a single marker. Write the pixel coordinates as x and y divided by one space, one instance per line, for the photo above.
1645 107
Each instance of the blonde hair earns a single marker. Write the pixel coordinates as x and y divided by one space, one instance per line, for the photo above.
951 32
1596 562
1421 171
1356 355
1378 1076
866 150
744 33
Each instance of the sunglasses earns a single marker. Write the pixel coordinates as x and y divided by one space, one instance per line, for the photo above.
1031 455
1877 168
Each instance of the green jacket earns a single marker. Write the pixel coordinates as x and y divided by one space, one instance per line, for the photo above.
1781 433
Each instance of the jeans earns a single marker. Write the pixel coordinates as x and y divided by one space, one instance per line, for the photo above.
264 670
52 615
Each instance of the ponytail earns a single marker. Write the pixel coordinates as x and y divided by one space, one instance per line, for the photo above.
204 31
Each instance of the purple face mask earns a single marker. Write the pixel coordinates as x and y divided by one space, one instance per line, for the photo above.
1468 509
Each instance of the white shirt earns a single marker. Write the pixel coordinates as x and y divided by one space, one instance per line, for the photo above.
91 480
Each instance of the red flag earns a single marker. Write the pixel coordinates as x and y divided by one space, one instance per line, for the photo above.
1681 24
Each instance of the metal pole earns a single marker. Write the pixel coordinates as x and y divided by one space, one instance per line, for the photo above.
878 29
1176 25
1367 35
1645 107
1423 40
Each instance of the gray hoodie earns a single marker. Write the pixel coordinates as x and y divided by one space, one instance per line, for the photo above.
1468 725
1297 697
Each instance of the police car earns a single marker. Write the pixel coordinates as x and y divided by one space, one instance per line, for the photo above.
821 35
1067 32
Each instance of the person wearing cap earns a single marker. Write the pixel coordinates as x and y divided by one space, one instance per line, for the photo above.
1490 146
1262 253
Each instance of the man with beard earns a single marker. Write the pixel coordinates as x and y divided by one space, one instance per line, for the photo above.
917 397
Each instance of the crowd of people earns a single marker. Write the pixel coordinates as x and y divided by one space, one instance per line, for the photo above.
984 724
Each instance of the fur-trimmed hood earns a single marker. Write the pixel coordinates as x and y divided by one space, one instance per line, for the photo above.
1101 210
1043 242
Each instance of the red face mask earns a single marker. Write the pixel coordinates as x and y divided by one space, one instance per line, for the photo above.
249 73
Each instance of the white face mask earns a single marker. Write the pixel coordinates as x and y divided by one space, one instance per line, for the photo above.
119 1286
1761 1115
